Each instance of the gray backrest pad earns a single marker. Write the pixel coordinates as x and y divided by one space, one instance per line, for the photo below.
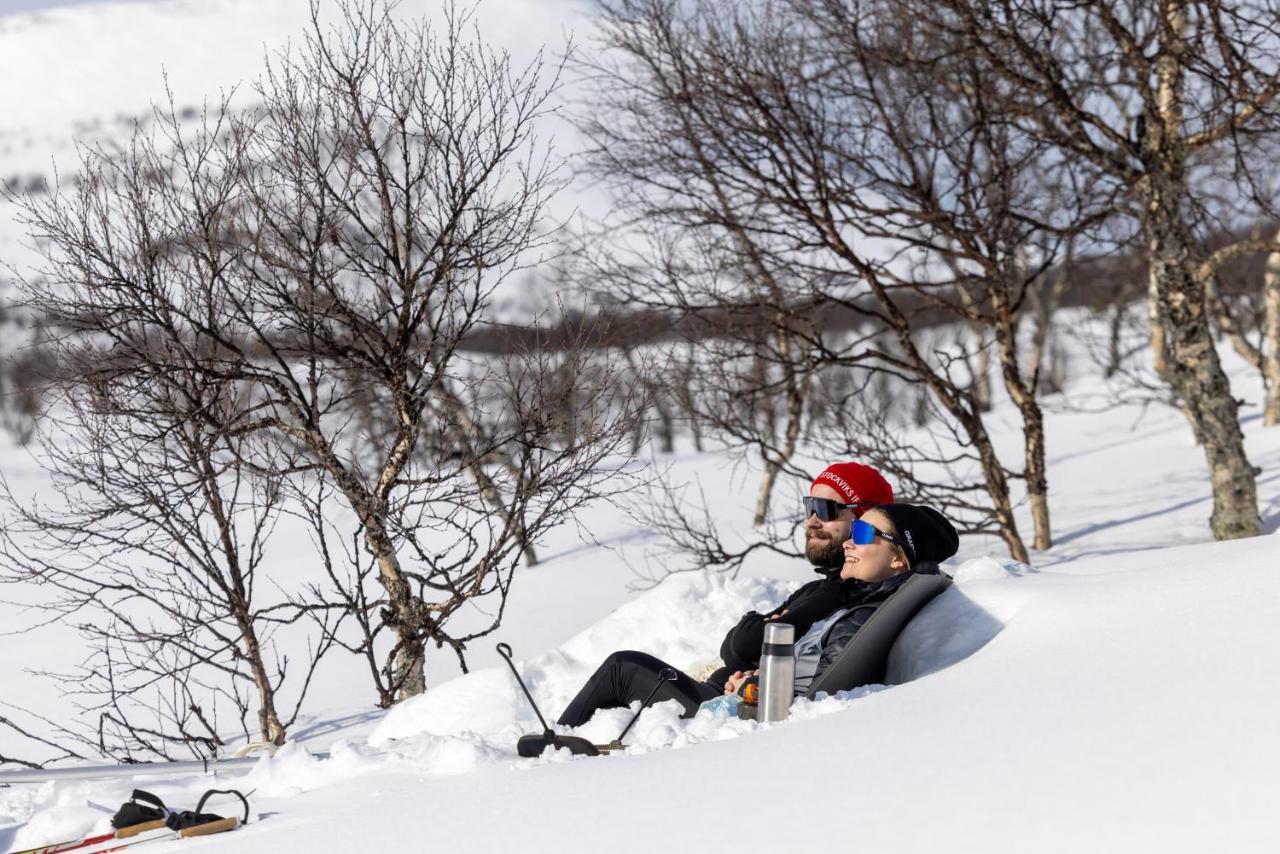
863 660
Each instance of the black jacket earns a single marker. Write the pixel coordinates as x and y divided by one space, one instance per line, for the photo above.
811 603
815 601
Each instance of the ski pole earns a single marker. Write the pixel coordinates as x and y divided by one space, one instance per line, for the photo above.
667 674
504 650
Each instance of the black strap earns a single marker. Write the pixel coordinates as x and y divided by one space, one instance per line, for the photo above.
151 808
194 818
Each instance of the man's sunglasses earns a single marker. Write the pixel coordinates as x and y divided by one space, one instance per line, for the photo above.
864 534
828 510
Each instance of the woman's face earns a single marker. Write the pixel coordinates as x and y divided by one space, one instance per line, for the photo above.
876 560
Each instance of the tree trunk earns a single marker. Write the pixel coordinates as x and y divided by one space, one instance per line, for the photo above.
405 613
982 373
237 593
1271 343
1197 377
771 469
687 394
666 427
970 419
1115 356
980 386
268 718
1159 346
402 615
1045 296
997 487
797 392
1023 396
1193 368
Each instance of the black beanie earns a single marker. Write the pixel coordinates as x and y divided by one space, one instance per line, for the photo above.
925 534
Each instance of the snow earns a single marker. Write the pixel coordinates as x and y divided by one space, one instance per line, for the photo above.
1101 704
1130 708
1119 694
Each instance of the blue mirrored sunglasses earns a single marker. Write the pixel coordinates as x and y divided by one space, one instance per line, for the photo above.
864 533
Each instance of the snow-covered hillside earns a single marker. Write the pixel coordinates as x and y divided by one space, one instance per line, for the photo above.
1118 695
88 73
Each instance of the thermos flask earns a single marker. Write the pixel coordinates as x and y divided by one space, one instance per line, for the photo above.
777 671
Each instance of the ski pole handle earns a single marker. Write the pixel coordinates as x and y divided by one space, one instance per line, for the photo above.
504 650
219 826
135 829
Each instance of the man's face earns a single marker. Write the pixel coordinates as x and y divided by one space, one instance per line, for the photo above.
823 541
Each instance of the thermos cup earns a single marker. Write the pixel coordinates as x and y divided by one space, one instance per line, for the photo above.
777 671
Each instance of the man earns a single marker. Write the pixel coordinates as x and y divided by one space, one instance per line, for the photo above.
836 498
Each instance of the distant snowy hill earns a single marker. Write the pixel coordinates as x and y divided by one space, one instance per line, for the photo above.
86 69
90 72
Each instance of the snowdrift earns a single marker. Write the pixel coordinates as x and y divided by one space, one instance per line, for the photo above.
1128 704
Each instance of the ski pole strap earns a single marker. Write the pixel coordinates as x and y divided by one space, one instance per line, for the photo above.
193 818
131 813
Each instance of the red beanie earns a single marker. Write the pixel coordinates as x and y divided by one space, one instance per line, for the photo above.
858 484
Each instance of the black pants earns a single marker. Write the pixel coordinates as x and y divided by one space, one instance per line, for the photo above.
627 676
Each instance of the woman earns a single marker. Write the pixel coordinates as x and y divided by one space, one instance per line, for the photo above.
888 542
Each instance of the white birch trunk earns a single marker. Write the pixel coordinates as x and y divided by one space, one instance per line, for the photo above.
1271 338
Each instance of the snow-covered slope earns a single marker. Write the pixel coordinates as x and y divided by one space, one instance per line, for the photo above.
1131 709
1120 704
87 73
1119 695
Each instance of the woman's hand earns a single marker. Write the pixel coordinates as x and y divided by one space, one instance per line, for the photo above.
784 613
734 682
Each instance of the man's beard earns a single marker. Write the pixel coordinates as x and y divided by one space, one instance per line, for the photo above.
825 553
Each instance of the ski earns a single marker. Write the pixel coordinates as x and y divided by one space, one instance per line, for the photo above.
144 812
77 844
220 826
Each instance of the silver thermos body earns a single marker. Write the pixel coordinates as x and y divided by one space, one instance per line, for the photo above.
777 671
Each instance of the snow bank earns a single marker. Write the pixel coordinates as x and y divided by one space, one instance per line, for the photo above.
472 722
1046 696
960 621
682 621
475 720
1093 721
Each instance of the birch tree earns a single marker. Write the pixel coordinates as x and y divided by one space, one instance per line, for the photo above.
1144 98
863 155
350 233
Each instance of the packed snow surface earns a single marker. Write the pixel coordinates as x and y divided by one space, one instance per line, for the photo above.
1121 705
